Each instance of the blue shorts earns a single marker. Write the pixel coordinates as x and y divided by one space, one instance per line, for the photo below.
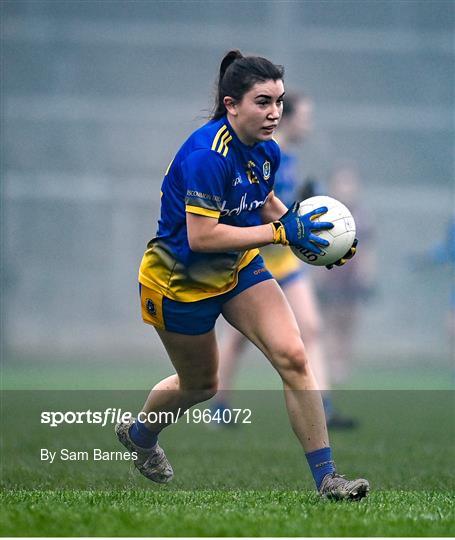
195 318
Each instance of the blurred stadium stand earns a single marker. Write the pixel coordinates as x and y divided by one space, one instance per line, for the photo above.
98 95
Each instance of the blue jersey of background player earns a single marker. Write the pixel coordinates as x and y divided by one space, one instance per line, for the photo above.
286 184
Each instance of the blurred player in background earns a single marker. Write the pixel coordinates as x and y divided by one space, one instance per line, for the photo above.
443 254
293 276
343 292
217 208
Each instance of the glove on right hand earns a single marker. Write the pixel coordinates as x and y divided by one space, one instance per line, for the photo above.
294 230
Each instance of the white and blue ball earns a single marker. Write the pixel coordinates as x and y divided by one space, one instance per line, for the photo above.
340 237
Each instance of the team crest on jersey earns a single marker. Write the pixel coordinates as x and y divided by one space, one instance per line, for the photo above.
266 170
150 307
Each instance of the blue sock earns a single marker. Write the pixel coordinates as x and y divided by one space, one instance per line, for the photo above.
142 436
321 463
220 406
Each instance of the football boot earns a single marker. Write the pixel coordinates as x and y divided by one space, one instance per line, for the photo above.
150 462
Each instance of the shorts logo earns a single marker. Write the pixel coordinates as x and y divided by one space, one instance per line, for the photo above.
266 170
150 307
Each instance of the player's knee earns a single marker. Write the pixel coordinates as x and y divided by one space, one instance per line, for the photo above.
293 361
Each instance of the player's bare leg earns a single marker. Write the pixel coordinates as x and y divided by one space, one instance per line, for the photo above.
304 303
302 299
264 316
195 359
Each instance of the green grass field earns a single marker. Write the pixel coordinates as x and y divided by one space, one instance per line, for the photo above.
251 480
143 512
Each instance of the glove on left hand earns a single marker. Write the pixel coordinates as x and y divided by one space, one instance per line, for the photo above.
345 258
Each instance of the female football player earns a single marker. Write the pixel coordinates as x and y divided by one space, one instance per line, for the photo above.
292 276
217 208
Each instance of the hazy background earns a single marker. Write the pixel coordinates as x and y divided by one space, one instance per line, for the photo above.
97 96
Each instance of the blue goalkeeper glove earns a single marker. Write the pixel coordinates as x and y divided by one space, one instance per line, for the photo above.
294 230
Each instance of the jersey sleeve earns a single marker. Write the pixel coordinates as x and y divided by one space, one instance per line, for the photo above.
205 174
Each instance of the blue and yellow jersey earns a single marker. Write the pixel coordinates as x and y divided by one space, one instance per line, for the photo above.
281 262
213 174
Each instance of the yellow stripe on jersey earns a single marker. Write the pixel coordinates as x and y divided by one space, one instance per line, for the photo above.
222 141
202 211
226 149
217 136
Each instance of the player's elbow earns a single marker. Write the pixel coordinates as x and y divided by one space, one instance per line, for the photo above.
198 243
201 232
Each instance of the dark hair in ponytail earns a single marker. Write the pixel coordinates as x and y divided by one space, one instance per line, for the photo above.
238 74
